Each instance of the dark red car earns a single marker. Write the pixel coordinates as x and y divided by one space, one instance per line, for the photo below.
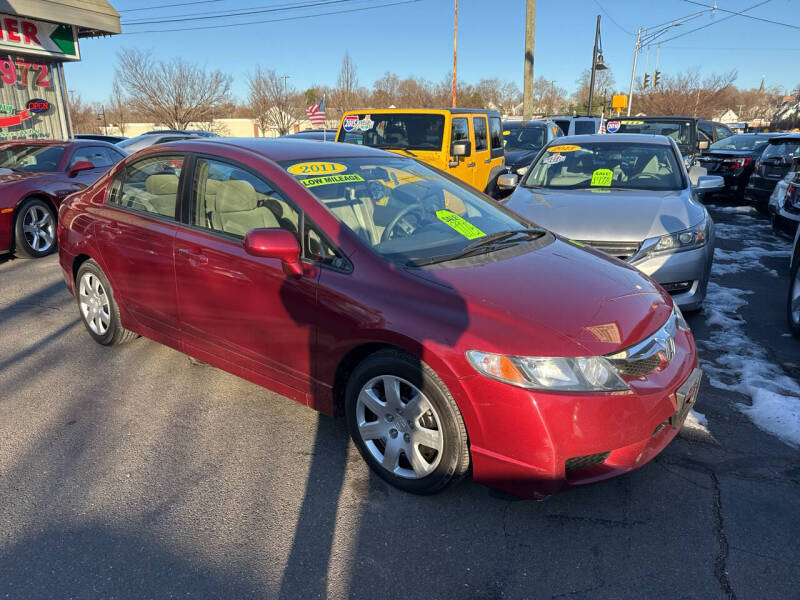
450 332
35 176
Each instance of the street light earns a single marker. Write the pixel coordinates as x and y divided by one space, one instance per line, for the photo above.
597 65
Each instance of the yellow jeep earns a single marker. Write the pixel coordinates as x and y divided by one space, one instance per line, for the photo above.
466 143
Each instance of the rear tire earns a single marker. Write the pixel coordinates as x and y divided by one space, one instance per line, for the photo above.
411 435
35 229
98 309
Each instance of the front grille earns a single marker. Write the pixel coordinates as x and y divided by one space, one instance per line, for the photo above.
582 462
637 368
648 355
620 250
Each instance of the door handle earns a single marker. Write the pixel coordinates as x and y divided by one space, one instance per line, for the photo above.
472 164
487 161
193 257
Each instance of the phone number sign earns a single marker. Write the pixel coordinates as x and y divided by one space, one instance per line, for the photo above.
30 36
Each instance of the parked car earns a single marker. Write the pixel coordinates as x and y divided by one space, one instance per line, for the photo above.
630 197
793 300
733 158
774 165
784 217
35 176
192 132
578 125
320 135
788 215
111 139
464 142
692 134
523 141
135 144
451 339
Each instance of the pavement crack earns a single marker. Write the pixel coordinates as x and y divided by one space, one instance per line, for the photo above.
720 568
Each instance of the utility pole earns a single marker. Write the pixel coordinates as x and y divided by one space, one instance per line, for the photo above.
284 77
594 68
633 72
455 53
530 31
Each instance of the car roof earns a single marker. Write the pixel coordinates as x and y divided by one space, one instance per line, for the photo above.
531 123
634 138
455 111
785 137
278 149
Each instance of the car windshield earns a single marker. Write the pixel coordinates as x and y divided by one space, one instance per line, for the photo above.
524 138
31 157
402 209
598 165
680 131
395 130
788 149
740 142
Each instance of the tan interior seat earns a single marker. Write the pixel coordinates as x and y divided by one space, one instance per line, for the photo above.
162 193
358 214
237 209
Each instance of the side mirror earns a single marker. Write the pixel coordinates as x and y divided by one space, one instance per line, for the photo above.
507 181
709 183
703 145
275 243
81 165
461 148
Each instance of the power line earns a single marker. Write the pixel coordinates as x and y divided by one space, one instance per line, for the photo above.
160 6
320 14
234 13
741 14
680 35
610 18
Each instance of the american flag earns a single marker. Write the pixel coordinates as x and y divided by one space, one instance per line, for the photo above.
316 113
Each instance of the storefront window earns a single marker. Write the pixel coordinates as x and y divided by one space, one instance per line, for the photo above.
30 93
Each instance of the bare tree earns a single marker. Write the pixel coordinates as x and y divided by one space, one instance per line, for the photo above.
83 115
500 94
275 104
603 88
117 112
688 94
172 93
347 94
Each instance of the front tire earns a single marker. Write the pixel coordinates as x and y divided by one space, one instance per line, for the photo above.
98 309
406 423
35 229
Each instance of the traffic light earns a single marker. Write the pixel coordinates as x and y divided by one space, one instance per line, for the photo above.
646 81
656 77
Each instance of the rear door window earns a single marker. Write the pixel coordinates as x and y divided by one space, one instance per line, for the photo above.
496 132
149 185
97 155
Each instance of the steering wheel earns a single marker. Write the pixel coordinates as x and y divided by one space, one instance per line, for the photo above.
387 233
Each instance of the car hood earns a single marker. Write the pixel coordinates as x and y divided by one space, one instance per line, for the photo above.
607 215
557 300
520 157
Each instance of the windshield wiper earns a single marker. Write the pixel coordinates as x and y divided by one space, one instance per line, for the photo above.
484 245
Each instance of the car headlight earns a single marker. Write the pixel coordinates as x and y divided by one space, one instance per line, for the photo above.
686 239
522 170
589 374
680 321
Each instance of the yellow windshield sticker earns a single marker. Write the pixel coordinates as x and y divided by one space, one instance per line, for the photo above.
578 243
506 132
462 226
602 177
632 122
564 148
329 179
317 168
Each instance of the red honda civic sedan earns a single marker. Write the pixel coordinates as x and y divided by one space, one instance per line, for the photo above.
451 334
35 176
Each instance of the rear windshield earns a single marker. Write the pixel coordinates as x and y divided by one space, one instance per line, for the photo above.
609 165
680 131
525 138
584 127
787 149
563 124
740 142
393 131
33 157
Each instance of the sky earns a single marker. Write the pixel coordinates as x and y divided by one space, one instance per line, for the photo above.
416 38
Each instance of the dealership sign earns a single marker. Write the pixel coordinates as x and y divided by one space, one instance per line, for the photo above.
31 36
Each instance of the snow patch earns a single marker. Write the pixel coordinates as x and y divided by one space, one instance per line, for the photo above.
697 421
735 209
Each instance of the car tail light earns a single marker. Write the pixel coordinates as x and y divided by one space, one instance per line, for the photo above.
737 163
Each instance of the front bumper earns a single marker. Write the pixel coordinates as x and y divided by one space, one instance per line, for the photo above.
524 440
683 274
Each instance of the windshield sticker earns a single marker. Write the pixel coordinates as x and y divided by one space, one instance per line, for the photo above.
329 179
632 122
462 226
554 159
350 122
506 132
578 243
317 168
353 123
564 148
612 126
602 177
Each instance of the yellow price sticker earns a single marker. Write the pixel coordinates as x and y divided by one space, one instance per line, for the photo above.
506 132
461 225
316 168
632 122
602 177
329 179
564 148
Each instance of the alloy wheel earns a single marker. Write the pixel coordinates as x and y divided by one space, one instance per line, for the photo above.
39 228
94 303
399 427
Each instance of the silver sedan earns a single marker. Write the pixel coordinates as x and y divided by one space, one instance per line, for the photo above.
629 196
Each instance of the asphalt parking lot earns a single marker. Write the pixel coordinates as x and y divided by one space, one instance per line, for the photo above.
133 473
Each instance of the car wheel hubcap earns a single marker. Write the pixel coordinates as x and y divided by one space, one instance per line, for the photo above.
95 307
795 306
399 426
38 228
